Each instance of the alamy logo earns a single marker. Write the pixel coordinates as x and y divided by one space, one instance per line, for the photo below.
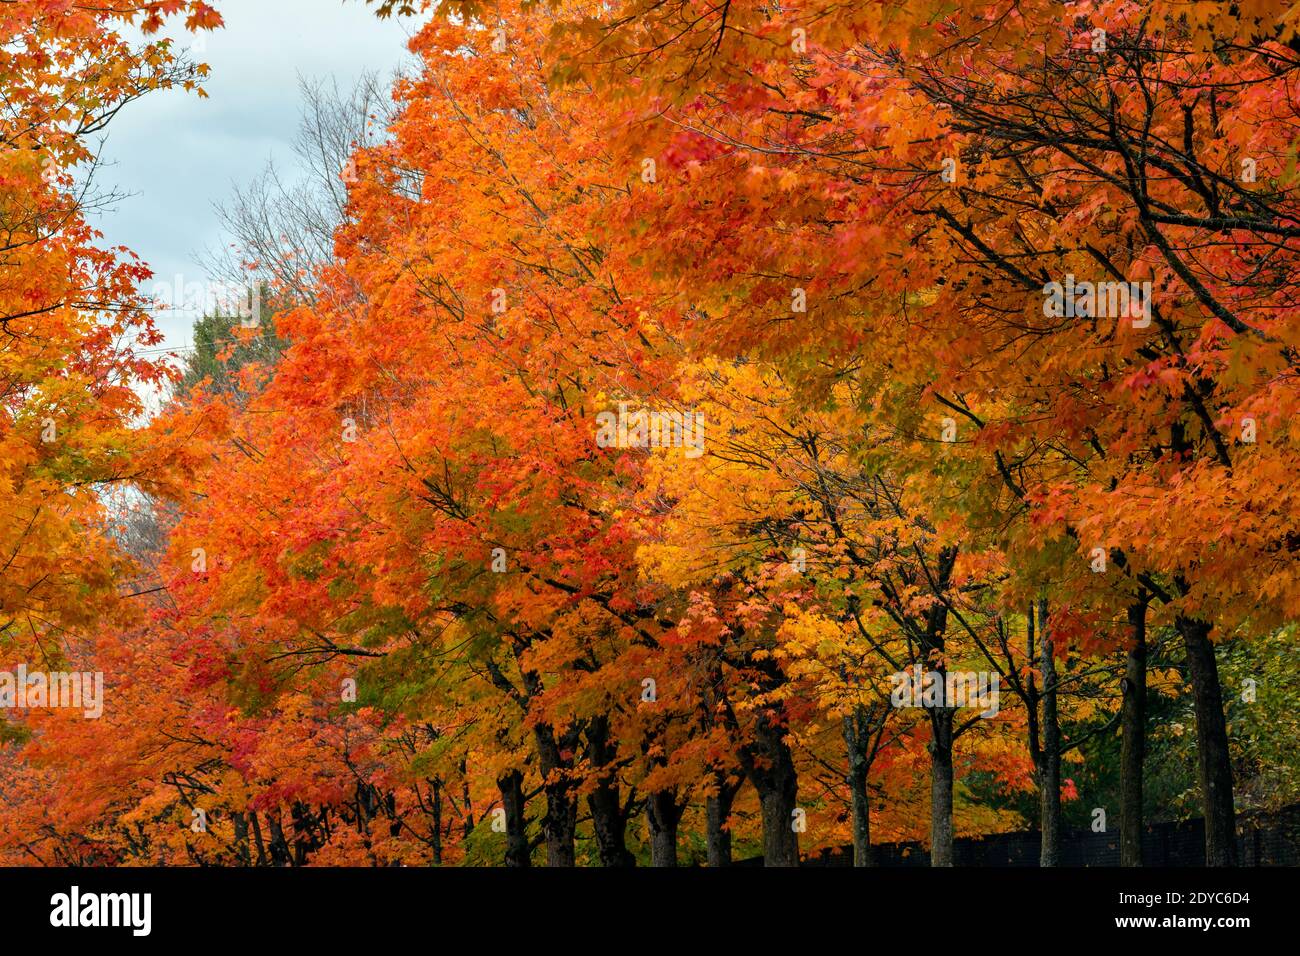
102 909
922 688
230 300
1100 300
644 428
84 691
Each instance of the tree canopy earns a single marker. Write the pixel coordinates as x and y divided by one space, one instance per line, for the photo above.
717 428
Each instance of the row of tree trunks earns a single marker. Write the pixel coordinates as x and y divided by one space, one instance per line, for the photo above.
776 779
773 774
1214 762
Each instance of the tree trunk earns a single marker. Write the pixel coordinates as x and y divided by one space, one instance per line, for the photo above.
774 778
468 823
1213 757
436 801
610 826
663 814
862 853
856 742
561 818
607 817
941 721
717 811
280 853
241 838
257 839
941 834
1049 782
1133 730
511 786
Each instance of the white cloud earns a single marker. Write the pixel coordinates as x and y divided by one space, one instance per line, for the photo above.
177 155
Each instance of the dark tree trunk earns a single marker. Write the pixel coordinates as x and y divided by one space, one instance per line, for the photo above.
280 853
609 825
1133 731
436 800
1049 782
555 759
941 722
468 823
561 818
773 776
257 839
302 842
1213 757
941 833
862 854
241 838
511 786
663 814
607 817
717 810
857 741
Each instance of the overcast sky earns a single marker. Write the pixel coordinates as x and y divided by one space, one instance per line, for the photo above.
175 155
